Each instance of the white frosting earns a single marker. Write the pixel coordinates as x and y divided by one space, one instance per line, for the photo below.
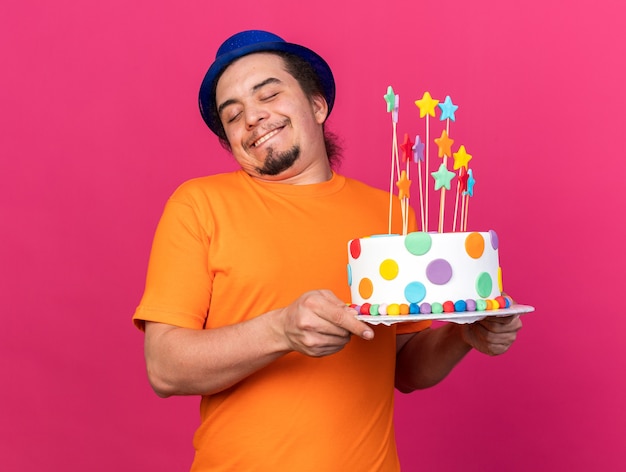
413 269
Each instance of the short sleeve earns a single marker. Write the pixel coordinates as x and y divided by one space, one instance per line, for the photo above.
178 282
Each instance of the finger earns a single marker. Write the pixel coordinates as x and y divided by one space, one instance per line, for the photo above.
493 342
316 343
345 317
497 349
342 321
341 315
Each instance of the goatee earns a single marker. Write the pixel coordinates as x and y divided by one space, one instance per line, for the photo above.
278 162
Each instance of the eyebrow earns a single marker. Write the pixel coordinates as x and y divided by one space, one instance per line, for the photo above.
255 88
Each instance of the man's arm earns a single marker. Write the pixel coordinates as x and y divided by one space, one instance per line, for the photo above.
425 358
182 361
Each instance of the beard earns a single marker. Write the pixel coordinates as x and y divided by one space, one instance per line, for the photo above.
277 162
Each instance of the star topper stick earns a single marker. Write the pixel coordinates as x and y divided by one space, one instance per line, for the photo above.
404 183
468 193
444 143
447 113
461 160
426 106
393 107
442 177
460 188
418 157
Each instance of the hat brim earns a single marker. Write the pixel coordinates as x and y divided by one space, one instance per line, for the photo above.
206 97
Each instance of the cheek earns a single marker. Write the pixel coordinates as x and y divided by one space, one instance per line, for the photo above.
233 136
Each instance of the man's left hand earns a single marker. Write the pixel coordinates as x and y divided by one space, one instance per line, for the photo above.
492 335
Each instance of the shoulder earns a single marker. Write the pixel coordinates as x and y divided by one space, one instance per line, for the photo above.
363 188
210 188
207 184
197 202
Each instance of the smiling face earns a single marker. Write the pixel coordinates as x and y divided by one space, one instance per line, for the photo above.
274 130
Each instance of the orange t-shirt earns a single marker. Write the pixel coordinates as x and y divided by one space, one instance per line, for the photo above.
229 248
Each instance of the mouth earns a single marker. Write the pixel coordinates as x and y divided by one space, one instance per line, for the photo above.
265 137
270 132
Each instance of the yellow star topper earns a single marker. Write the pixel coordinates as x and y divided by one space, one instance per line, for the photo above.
461 158
403 186
426 105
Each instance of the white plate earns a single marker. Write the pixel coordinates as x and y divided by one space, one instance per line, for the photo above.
460 317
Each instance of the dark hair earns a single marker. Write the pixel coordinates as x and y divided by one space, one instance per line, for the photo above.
310 83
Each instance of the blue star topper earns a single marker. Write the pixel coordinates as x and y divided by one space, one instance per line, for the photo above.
447 109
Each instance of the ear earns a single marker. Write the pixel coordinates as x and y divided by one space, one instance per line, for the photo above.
320 108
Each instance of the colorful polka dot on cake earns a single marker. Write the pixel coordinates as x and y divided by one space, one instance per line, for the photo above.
389 269
418 243
475 245
439 271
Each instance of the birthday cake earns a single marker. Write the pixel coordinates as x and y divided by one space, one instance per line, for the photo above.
427 271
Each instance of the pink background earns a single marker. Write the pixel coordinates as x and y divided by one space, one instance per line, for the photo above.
100 124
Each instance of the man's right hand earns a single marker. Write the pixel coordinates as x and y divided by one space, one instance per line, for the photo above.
319 324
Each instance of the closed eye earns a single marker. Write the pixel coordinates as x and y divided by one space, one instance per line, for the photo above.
267 98
232 119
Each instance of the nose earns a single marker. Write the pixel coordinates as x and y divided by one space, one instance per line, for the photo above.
254 116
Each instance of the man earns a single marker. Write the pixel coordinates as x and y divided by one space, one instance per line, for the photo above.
245 300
